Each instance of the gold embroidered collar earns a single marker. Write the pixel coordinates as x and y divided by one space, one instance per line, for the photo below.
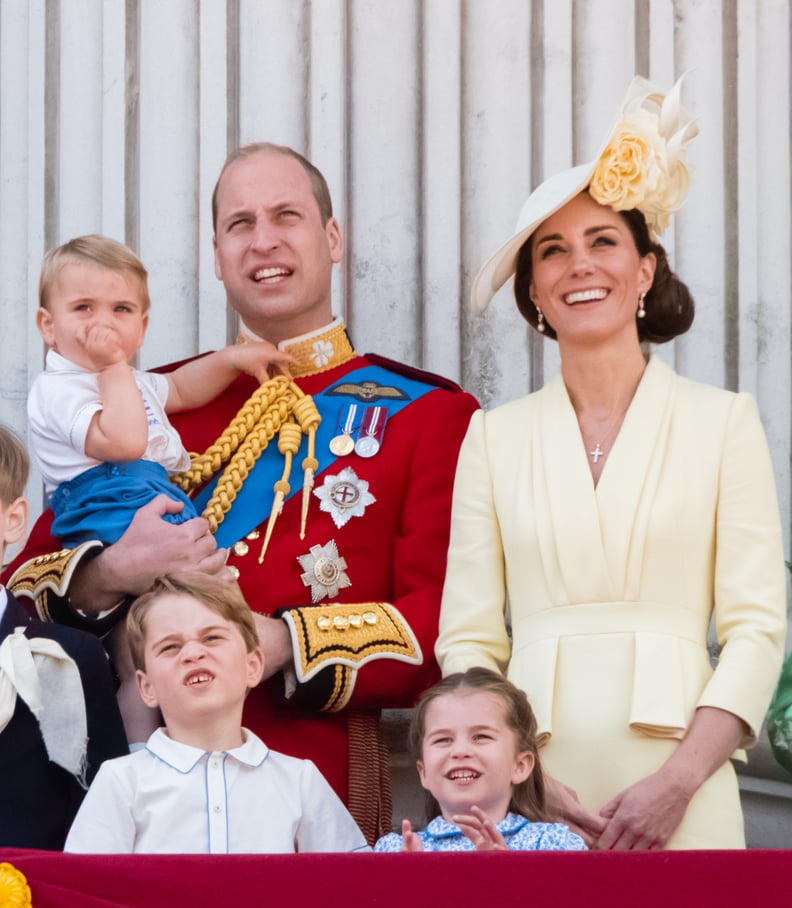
316 351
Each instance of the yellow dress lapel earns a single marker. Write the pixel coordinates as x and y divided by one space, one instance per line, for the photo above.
627 490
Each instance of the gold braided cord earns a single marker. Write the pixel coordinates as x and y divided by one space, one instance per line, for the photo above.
204 466
272 408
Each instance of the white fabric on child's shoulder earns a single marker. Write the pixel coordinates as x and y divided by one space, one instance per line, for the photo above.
61 404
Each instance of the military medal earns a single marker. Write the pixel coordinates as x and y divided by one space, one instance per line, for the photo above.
344 496
372 430
342 443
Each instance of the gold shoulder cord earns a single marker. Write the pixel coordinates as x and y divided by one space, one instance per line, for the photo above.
276 407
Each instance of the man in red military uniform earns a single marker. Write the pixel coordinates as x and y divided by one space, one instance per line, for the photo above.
347 588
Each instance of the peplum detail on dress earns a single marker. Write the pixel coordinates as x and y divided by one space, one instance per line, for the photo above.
670 670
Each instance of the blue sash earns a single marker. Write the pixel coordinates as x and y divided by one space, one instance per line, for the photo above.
254 500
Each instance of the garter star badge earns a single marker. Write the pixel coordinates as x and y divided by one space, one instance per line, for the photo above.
324 571
344 496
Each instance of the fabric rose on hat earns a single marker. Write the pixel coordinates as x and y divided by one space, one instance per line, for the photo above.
644 163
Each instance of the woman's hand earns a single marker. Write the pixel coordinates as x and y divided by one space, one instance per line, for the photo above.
410 841
564 805
482 832
645 815
648 813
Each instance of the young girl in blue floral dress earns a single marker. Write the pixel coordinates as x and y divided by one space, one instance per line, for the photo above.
474 739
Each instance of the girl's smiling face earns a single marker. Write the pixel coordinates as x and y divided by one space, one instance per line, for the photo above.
469 754
587 273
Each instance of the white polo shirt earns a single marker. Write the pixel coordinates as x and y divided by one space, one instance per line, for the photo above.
173 798
61 404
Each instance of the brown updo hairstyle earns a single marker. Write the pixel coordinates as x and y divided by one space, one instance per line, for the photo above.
528 797
668 304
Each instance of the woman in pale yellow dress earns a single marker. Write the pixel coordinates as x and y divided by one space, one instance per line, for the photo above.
616 510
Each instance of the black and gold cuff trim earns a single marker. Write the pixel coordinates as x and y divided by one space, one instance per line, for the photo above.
348 635
51 573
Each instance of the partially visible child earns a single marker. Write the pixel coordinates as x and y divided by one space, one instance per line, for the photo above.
204 784
58 714
98 427
474 739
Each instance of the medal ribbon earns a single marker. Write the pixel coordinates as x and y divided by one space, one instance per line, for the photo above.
349 422
255 497
374 421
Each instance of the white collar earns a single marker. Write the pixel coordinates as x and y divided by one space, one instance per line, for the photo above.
184 757
57 363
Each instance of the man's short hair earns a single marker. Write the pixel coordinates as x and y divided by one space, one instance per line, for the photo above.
96 250
14 466
318 182
223 597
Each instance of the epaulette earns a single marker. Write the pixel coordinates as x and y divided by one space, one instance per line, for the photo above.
428 378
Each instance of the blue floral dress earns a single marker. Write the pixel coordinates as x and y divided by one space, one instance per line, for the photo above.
520 835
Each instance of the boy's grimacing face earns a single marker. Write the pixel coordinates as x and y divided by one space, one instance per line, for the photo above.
196 661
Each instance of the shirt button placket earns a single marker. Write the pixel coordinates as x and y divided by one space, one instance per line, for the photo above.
216 804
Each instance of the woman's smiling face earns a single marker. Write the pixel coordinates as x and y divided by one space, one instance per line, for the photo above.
587 273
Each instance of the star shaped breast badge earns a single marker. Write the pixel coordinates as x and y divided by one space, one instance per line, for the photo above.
324 571
344 496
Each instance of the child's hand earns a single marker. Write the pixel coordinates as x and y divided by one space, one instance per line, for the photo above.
259 359
410 841
564 806
481 831
102 346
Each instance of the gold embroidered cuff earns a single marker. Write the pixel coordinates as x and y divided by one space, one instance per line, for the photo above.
343 684
348 635
51 573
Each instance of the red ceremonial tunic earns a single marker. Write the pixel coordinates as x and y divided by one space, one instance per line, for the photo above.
394 550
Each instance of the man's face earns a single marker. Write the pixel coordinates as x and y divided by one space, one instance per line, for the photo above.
272 251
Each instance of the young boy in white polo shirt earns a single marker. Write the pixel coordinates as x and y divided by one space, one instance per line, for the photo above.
204 784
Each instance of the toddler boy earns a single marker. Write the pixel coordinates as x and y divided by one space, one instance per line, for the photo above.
99 428
204 784
58 714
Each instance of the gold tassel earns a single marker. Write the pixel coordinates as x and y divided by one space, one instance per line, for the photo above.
288 444
308 416
269 411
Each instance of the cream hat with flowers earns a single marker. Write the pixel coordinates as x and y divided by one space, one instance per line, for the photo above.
642 165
